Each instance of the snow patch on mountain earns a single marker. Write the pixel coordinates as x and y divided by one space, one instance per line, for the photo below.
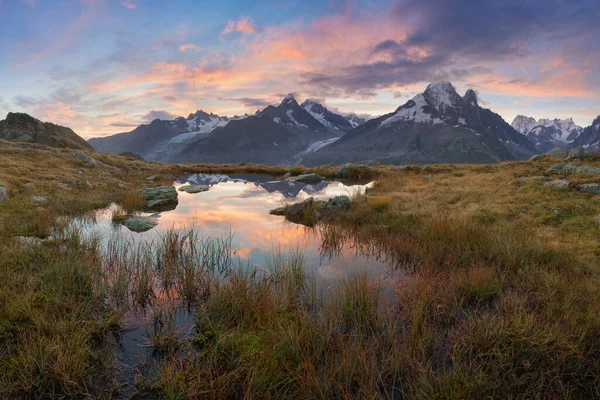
293 120
354 120
411 111
440 95
309 106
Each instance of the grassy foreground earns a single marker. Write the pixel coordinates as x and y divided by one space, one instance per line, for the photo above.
501 297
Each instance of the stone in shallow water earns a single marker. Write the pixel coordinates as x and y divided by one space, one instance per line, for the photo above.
162 198
310 211
193 189
139 223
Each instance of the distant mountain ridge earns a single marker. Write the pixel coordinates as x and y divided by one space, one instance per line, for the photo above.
547 134
22 127
184 138
153 140
437 125
275 135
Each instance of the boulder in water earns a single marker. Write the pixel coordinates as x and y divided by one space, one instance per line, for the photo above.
162 198
139 223
193 189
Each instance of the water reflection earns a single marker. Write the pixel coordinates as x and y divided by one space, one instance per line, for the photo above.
236 207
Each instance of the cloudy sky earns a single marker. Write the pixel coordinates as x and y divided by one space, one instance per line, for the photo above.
105 66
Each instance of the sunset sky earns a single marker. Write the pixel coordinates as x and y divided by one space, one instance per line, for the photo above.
105 66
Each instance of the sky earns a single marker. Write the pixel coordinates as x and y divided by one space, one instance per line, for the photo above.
105 66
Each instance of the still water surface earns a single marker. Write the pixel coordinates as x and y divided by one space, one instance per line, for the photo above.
238 206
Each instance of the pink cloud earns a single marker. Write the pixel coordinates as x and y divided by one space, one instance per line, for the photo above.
244 25
188 47
129 4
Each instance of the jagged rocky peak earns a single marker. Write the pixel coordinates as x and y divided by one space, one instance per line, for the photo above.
288 100
471 97
441 95
200 114
524 124
313 106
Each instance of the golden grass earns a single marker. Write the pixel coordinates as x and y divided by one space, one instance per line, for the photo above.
500 299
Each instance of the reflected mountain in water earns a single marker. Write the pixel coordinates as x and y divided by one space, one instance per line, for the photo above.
289 190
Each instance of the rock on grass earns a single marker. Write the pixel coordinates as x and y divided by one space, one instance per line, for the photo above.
3 195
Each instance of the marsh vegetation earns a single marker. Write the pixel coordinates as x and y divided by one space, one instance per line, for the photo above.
499 297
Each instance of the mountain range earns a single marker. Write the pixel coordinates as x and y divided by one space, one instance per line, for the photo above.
275 135
548 134
436 126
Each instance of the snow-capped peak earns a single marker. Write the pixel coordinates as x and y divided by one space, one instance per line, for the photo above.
441 95
318 112
564 130
413 110
523 124
289 99
438 104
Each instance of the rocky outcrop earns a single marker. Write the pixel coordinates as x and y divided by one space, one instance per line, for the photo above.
563 168
559 184
20 127
576 153
354 171
88 161
590 188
